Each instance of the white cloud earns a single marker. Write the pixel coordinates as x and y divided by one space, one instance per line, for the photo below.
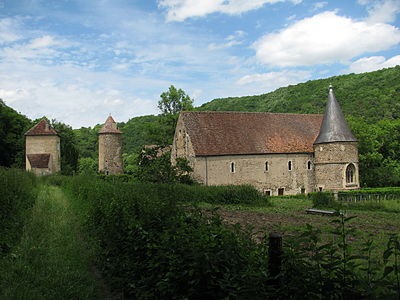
179 10
231 40
373 63
274 80
322 39
319 5
383 11
8 30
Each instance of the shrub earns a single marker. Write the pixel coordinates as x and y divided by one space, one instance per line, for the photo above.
323 199
18 193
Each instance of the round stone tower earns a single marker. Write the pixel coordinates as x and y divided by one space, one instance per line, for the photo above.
335 151
110 148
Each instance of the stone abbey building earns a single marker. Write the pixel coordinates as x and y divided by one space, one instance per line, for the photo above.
42 148
278 153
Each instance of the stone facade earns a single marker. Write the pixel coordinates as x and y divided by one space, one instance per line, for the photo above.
277 160
110 148
331 162
42 147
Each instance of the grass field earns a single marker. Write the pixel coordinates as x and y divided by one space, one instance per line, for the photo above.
52 261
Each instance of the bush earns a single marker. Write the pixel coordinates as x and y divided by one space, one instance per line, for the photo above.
323 200
18 193
153 248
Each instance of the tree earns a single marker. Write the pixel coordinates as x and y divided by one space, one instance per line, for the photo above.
155 166
12 139
174 101
171 103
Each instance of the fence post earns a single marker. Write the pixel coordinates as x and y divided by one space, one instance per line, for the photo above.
274 257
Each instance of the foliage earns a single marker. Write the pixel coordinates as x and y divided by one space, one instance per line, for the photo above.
69 149
12 140
322 199
174 101
87 166
154 165
18 192
373 96
151 246
86 141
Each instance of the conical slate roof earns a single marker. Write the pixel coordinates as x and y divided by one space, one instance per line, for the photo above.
109 126
41 128
334 127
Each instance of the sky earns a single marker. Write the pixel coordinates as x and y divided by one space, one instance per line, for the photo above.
78 61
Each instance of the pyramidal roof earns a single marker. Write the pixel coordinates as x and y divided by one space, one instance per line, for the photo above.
41 128
109 126
334 127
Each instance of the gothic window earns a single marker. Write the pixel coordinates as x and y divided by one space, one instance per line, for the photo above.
266 166
350 173
232 167
309 165
290 165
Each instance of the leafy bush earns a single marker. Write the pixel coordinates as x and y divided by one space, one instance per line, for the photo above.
323 199
18 192
152 248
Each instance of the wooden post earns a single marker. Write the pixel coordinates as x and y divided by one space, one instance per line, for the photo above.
274 257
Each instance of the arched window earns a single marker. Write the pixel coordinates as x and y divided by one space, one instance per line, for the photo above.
350 173
266 166
232 167
290 165
309 165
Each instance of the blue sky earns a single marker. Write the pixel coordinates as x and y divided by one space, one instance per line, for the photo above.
79 60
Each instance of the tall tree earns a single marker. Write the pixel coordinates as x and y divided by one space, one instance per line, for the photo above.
12 140
174 101
171 104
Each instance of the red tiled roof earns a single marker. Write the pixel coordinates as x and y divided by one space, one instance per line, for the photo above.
41 128
224 133
109 126
39 160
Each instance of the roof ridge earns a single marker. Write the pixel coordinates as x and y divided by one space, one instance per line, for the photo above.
251 112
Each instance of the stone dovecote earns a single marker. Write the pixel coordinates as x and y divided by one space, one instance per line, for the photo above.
42 147
110 148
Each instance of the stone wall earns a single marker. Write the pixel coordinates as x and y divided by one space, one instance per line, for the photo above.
40 144
251 169
331 161
110 153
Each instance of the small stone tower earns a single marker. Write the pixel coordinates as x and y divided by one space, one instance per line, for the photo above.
110 148
335 151
42 147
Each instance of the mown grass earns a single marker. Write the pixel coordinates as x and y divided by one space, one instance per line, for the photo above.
52 260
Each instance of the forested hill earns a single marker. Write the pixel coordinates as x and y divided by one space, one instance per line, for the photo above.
373 95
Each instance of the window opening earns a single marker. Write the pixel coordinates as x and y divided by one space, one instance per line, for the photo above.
232 167
290 165
280 191
350 172
309 165
267 192
320 188
266 166
303 190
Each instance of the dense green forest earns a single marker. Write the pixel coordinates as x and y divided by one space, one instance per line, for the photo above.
370 101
